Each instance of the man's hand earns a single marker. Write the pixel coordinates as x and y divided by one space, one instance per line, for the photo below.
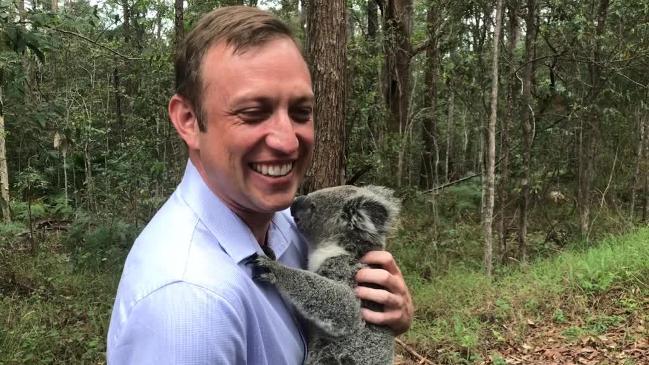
395 297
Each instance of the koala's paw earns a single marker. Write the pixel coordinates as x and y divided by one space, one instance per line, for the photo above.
262 269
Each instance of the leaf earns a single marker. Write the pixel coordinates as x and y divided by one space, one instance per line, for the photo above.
37 52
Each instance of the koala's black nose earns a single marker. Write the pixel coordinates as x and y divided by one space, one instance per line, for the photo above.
298 203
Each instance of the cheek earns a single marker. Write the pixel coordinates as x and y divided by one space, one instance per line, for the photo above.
306 135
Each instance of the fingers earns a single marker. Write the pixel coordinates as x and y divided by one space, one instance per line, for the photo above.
391 319
380 296
381 277
383 259
393 294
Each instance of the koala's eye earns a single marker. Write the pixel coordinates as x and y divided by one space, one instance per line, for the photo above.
311 206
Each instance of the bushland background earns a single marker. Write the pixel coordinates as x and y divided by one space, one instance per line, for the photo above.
516 132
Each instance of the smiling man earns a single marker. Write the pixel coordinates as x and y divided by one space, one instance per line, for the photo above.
243 106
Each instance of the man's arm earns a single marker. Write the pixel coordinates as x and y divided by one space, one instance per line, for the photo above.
180 324
395 297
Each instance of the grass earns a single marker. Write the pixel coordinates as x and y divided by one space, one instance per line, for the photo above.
54 314
462 314
55 305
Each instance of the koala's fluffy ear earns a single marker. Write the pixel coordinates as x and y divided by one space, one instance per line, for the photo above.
370 215
387 194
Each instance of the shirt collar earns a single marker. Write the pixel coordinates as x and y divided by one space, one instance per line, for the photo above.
231 232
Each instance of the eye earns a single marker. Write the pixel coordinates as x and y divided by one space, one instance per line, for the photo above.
301 114
254 114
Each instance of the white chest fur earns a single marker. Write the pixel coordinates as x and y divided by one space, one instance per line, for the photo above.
325 251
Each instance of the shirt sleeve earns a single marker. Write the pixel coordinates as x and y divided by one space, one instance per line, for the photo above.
182 324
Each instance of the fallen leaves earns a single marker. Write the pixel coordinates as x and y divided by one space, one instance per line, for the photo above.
623 344
606 335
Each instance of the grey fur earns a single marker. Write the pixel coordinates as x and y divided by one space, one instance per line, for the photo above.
344 222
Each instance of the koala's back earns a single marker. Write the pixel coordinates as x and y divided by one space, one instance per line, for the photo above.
368 344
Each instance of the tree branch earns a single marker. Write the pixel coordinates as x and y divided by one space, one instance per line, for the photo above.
411 351
443 186
420 48
92 41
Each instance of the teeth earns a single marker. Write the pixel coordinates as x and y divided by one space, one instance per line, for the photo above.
273 170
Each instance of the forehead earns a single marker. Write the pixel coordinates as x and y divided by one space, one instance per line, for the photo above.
278 58
336 193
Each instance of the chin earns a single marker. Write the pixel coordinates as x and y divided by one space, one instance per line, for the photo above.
278 202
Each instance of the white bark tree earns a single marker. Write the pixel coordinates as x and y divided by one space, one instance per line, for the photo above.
488 181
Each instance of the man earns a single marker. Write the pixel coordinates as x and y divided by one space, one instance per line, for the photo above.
243 106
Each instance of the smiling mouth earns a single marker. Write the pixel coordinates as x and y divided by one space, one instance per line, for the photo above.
273 170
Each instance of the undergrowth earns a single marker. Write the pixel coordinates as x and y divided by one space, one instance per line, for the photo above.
55 303
56 295
462 314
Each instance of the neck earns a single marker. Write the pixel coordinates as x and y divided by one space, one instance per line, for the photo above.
258 224
256 221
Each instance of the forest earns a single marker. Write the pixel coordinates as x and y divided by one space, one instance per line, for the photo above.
516 132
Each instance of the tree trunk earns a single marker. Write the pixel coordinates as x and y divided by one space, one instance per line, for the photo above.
591 124
65 177
158 20
304 10
465 145
372 22
374 118
527 128
4 171
428 167
507 122
179 25
126 21
326 52
638 175
397 26
645 211
449 132
490 150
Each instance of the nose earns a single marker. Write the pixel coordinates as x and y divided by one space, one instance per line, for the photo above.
282 136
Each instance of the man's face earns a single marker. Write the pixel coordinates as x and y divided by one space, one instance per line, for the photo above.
258 115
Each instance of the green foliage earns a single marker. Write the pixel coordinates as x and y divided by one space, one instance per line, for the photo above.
9 231
60 207
462 309
99 245
498 360
600 324
50 312
558 316
30 181
80 76
573 333
21 210
462 200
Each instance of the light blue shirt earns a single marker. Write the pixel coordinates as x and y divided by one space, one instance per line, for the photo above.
186 295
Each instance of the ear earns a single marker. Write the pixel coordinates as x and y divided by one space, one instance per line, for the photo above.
366 216
388 195
184 119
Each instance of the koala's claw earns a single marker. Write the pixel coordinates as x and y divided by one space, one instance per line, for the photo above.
261 269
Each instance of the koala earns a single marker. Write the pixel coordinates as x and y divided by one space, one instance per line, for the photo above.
340 224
